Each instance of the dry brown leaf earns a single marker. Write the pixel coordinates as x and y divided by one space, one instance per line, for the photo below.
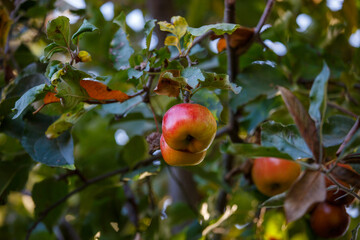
303 121
99 91
306 191
167 86
239 40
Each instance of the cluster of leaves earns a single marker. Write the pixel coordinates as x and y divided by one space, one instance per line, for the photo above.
61 134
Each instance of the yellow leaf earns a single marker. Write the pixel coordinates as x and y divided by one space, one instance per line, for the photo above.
5 23
171 41
180 26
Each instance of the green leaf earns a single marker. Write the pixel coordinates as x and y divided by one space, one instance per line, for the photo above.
253 150
53 67
121 50
219 29
135 150
192 75
13 174
257 80
58 30
335 130
148 29
84 28
65 122
285 138
178 26
210 100
318 96
258 111
50 50
46 193
52 152
122 108
220 81
120 20
28 98
69 86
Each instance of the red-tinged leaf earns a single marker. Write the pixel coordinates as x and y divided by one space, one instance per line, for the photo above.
167 86
347 175
239 40
51 98
99 91
303 122
306 191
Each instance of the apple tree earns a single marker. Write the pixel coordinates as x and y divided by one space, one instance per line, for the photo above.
185 119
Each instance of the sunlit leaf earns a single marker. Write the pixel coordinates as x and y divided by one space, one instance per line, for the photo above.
219 29
171 41
307 190
178 26
58 30
84 28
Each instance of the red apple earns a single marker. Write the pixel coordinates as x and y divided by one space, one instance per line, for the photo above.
272 176
179 158
329 221
189 127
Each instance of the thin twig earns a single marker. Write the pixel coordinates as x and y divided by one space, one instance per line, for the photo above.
348 137
340 186
264 16
341 109
91 181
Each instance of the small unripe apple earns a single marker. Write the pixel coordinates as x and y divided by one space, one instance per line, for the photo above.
179 158
189 127
272 175
329 221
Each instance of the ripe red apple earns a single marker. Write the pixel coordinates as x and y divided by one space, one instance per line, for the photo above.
179 158
189 127
272 176
329 221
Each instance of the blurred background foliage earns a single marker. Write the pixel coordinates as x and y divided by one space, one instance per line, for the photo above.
300 36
